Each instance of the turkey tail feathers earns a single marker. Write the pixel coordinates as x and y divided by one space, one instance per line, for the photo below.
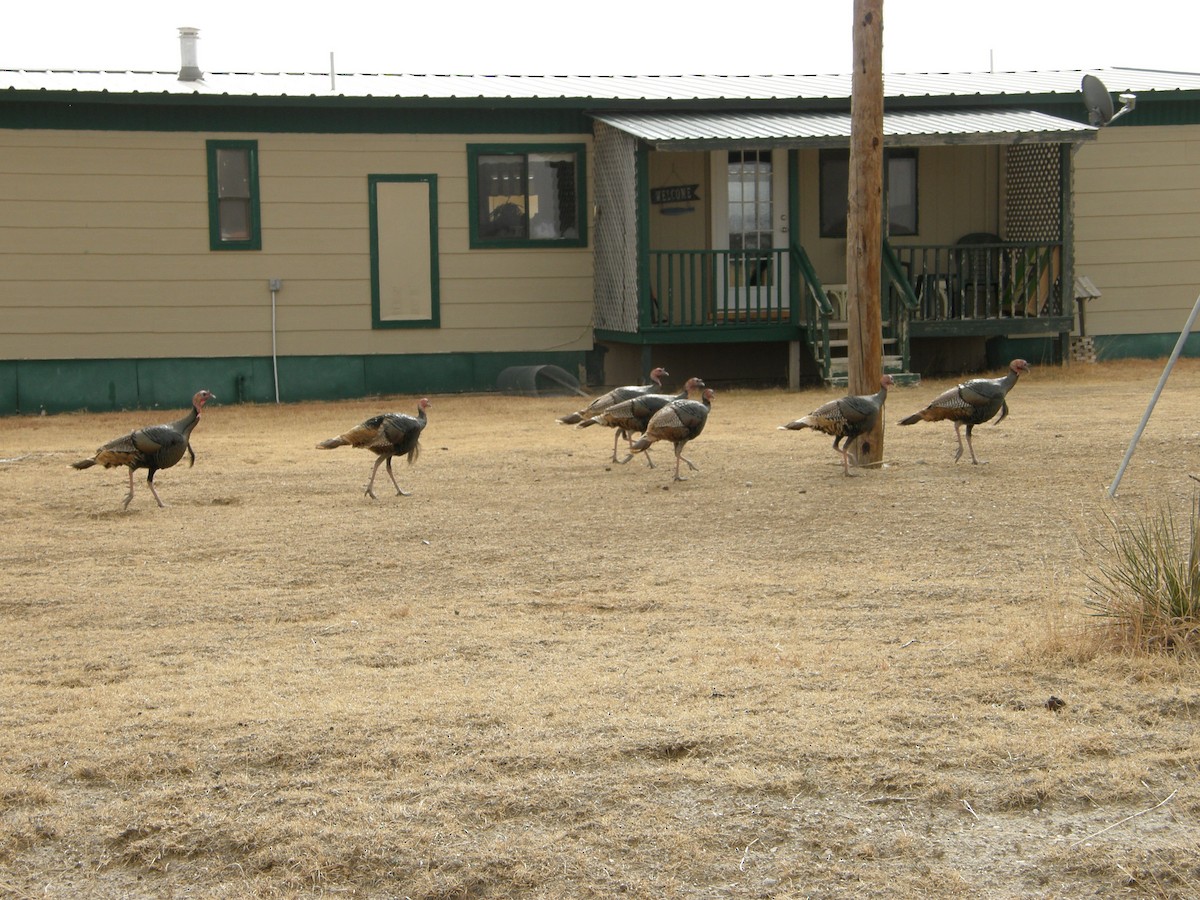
572 419
639 445
83 464
797 425
332 444
911 420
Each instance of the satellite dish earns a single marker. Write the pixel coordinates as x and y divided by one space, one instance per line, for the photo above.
1099 103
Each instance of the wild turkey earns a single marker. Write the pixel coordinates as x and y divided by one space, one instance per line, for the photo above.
616 396
633 415
971 403
679 421
386 435
845 418
152 448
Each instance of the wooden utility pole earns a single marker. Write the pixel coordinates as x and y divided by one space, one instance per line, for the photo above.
864 219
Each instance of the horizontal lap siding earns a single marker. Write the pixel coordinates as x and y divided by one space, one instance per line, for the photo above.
104 253
1137 225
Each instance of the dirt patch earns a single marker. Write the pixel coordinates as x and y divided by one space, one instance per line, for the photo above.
544 674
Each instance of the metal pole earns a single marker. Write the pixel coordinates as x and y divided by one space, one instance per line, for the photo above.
274 353
275 285
1183 335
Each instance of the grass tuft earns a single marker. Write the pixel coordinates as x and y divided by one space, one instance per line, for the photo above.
1147 583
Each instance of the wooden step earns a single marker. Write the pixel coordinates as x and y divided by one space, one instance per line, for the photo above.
905 378
846 343
891 364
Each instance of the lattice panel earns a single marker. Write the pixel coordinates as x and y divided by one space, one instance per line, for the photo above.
1033 180
615 252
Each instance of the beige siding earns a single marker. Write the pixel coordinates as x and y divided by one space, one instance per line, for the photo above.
1137 227
104 252
957 194
691 231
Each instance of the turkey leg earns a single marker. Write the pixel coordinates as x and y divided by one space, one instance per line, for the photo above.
150 481
399 492
128 496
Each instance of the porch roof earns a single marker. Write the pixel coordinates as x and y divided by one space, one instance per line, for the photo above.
832 129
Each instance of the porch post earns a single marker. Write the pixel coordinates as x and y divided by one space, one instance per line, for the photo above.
864 221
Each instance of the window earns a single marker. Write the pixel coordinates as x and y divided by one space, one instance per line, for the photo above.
233 217
527 196
899 187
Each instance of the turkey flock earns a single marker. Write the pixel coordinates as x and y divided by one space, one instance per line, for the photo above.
641 410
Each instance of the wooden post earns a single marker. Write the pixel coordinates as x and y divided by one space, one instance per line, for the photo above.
864 219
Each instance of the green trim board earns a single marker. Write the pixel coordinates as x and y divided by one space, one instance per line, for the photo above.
991 327
233 180
252 115
405 281
97 385
715 334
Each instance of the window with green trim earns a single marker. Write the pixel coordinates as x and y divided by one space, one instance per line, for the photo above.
527 195
233 212
899 187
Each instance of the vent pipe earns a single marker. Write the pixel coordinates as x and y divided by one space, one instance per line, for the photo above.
189 69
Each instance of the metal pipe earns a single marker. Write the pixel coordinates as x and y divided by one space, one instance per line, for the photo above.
274 351
1183 335
275 284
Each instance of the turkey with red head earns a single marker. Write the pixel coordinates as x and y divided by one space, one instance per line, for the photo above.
385 435
846 418
616 395
971 403
679 421
633 415
152 448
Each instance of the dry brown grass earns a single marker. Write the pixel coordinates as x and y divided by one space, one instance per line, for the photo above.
547 676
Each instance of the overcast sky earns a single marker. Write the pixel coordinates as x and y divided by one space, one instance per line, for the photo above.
610 37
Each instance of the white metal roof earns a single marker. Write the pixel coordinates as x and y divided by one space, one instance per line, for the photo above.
784 129
593 88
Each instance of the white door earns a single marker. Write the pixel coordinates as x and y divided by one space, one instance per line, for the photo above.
750 220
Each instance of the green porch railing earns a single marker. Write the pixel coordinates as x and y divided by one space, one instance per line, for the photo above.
980 285
817 310
711 288
898 299
739 291
985 279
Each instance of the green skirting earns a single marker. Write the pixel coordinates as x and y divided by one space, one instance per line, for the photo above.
1000 351
34 386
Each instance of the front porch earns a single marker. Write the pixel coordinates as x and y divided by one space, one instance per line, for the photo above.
702 240
977 288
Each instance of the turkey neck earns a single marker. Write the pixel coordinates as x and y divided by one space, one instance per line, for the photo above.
185 425
1009 380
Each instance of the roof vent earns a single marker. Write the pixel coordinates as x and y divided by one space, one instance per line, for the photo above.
189 70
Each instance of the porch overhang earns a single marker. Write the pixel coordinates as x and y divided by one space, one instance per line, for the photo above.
788 130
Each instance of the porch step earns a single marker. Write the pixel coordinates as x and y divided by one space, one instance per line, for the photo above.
905 378
845 342
893 364
839 362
